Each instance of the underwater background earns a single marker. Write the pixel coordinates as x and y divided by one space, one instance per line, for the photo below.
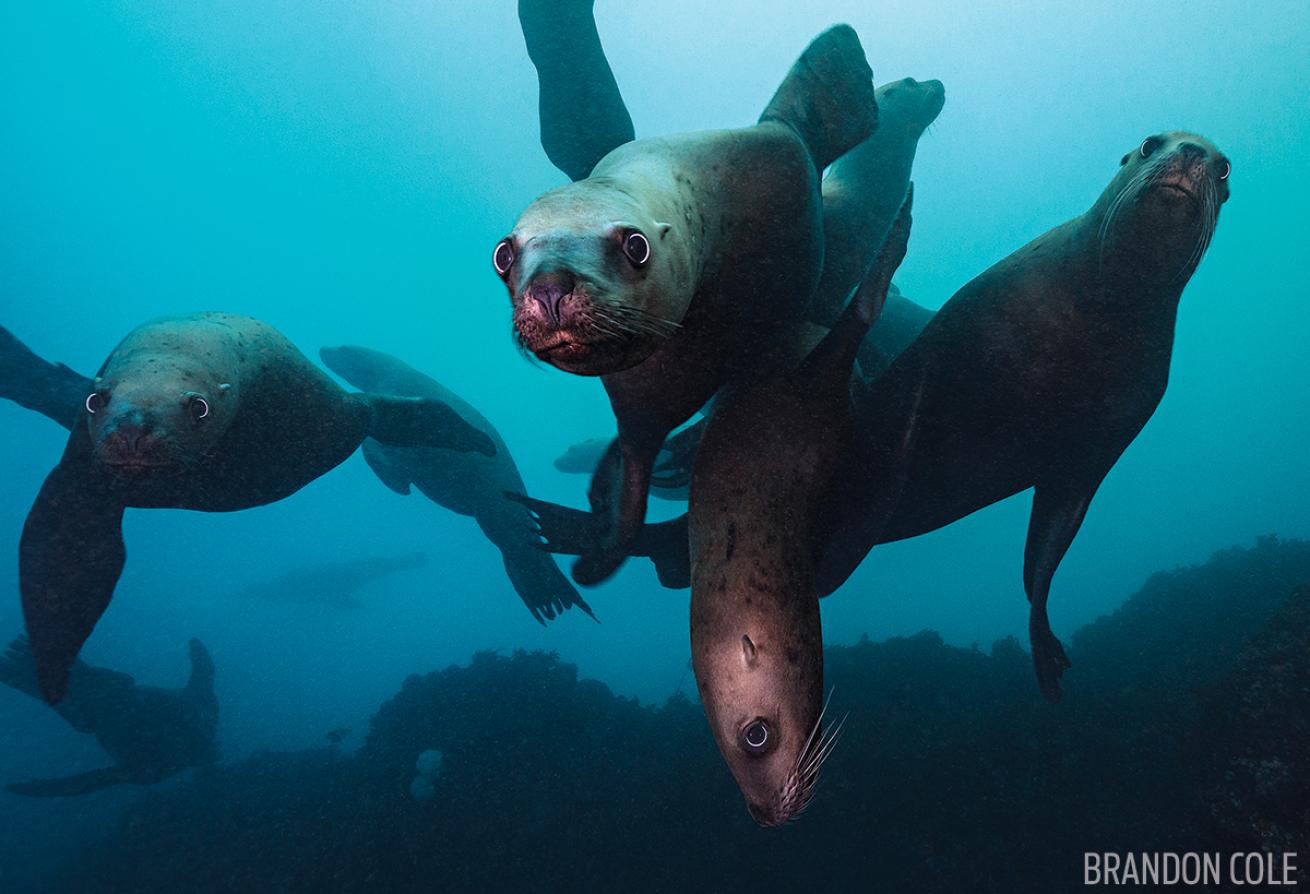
342 171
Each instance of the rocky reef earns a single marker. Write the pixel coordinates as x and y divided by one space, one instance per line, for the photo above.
1184 727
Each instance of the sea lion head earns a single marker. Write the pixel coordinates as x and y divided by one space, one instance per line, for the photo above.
1158 214
158 413
909 105
596 283
761 684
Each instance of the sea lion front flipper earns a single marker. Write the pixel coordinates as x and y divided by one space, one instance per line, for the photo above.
51 389
71 786
828 97
677 457
69 560
424 422
583 117
618 494
391 473
1058 512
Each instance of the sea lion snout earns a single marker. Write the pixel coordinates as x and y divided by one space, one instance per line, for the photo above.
134 441
548 291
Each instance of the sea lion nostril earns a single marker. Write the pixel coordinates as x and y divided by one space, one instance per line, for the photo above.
550 290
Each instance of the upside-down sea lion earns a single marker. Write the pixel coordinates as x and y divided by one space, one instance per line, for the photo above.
151 733
1038 373
214 412
463 482
675 266
763 471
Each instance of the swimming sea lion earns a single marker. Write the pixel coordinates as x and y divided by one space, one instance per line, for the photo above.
864 189
763 472
149 732
51 389
333 584
676 264
1038 373
467 483
214 412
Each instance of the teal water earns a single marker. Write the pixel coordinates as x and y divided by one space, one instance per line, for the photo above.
342 171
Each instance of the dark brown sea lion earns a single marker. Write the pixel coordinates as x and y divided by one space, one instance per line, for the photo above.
149 732
678 262
761 482
214 412
468 483
1038 373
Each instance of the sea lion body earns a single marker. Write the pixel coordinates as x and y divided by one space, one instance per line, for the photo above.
150 733
676 264
765 465
213 412
469 484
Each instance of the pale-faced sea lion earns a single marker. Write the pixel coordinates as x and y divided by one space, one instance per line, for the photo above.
466 483
333 584
762 476
214 412
676 265
149 732
1038 373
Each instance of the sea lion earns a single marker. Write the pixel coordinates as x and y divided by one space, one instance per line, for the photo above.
676 264
670 475
864 189
51 389
210 411
763 472
463 482
149 732
1037 374
333 584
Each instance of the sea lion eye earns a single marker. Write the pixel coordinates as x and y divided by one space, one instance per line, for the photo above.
95 402
1226 168
503 256
637 248
1149 145
197 406
755 737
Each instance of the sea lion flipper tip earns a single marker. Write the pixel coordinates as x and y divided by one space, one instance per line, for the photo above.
828 96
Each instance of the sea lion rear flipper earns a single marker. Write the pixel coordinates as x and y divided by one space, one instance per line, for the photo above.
71 786
667 546
827 97
51 389
1058 512
69 560
424 422
390 472
563 530
583 117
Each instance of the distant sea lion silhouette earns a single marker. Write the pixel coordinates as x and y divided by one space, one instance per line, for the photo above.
463 482
671 269
149 732
211 411
1038 373
771 450
333 584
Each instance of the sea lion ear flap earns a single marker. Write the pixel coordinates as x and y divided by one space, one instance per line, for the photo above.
1123 161
663 228
749 656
